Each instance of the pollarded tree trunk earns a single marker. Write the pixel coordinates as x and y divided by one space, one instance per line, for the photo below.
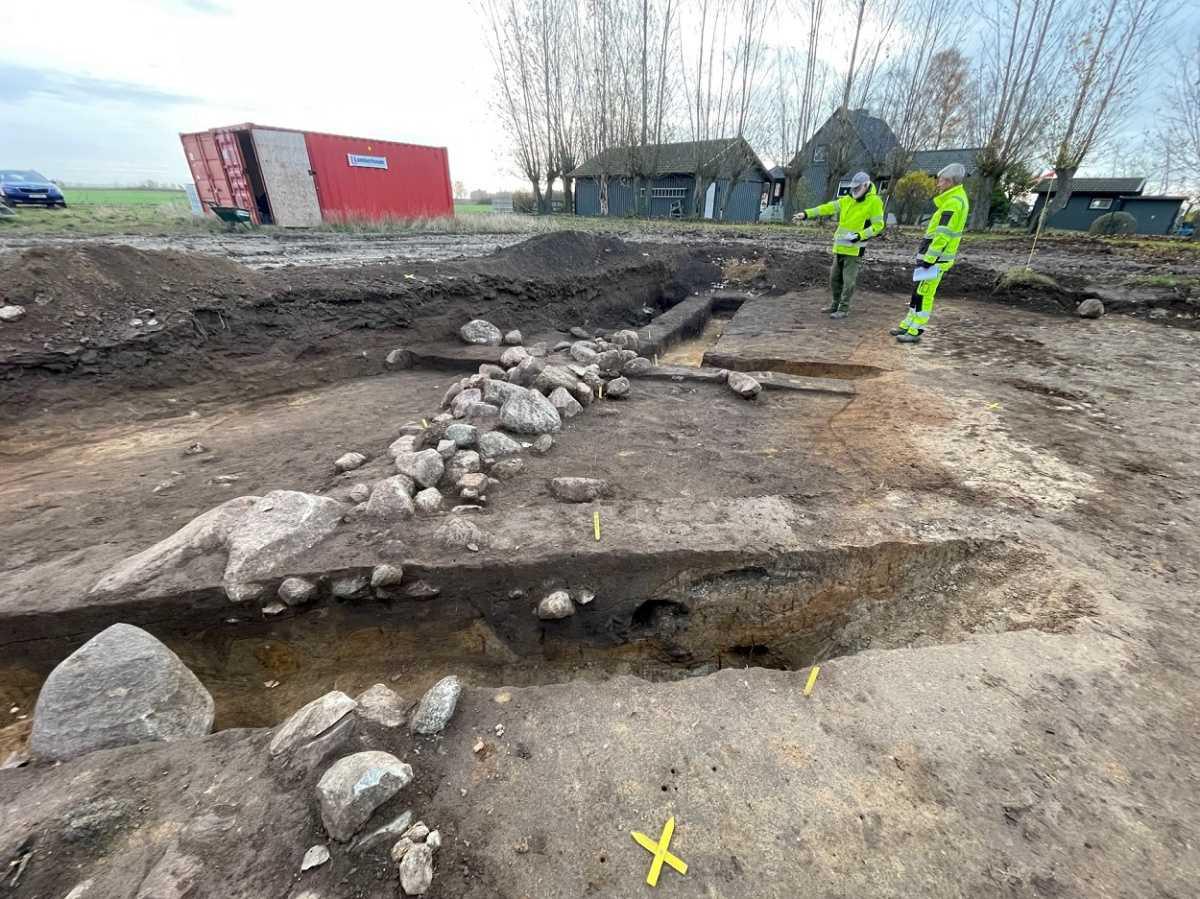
1064 176
981 201
568 196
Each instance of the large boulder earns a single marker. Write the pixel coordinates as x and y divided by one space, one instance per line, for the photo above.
554 376
513 356
280 527
562 400
481 332
121 687
355 786
499 392
530 414
1090 308
495 444
526 371
391 498
311 722
458 405
743 385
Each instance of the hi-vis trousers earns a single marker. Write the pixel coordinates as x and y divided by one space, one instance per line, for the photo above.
920 307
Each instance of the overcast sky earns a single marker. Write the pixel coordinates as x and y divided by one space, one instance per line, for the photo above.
103 92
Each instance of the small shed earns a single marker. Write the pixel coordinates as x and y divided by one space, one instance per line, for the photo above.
721 178
1093 197
303 178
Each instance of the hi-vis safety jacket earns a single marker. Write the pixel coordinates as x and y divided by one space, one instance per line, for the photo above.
862 217
945 228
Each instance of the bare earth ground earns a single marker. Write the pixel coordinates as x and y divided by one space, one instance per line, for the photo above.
1009 709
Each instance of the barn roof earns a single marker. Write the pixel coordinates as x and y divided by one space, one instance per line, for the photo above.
683 158
1095 185
936 160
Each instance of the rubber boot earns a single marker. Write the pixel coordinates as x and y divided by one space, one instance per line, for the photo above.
908 338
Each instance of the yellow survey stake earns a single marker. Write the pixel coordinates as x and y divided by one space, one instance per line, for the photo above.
596 525
661 852
812 680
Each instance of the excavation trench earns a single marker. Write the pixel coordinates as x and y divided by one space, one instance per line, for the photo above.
657 616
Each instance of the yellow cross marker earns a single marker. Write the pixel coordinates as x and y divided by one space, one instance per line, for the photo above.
596 525
812 680
661 851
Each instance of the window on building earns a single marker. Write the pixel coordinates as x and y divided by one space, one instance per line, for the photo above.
843 188
668 193
1100 203
778 189
819 153
882 185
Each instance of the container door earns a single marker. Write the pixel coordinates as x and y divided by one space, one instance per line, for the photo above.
235 171
287 174
204 161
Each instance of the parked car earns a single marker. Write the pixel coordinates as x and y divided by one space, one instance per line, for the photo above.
28 187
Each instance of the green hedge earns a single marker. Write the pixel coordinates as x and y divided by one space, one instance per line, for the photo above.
1113 223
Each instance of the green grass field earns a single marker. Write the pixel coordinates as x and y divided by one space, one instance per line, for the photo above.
120 196
460 208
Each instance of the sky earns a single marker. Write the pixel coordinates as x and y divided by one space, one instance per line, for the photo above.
104 97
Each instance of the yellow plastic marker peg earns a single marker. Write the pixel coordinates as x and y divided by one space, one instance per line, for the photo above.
812 680
661 851
425 424
600 390
596 525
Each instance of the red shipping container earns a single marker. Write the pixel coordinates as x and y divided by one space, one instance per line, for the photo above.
374 179
298 178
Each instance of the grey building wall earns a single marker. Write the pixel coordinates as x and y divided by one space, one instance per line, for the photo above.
743 204
1154 215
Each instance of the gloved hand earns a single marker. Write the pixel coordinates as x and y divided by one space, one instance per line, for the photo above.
799 216
854 238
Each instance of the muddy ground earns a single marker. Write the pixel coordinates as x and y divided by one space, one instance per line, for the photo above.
1001 523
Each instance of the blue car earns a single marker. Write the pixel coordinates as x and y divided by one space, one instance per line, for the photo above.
29 188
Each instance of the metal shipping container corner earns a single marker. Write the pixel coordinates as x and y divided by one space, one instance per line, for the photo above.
301 178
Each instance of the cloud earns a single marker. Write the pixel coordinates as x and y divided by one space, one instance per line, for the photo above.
208 7
20 83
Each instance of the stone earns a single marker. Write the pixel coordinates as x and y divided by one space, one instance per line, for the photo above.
11 313
428 501
272 609
350 586
411 429
296 591
425 467
462 434
507 469
315 857
579 490
434 840
592 378
1090 308
458 533
310 722
418 832
530 414
1158 313
723 375
466 461
543 445
483 416
585 597
497 392
481 332
513 338
350 461
280 527
388 833
583 394
743 385
495 444
553 377
381 705
566 404
391 499
443 418
121 687
352 789
245 592
436 707
359 493
406 443
420 589
625 340
174 876
451 392
446 448
526 371
398 359
617 388
583 353
513 356
386 575
609 362
476 481
493 371
562 345
639 365
580 333
400 849
458 405
556 605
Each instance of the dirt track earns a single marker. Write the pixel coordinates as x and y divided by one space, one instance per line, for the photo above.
1052 753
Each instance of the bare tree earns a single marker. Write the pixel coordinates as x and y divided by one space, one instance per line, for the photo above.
1183 124
1022 42
809 81
1106 59
947 92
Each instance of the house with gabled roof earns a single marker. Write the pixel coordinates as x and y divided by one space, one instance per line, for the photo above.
1093 197
721 178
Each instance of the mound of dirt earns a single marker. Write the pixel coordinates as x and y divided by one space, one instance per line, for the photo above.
69 290
558 254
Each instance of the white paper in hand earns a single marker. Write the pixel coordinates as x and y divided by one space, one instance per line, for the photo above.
924 274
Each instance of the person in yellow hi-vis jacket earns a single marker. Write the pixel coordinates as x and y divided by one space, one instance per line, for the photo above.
860 217
938 251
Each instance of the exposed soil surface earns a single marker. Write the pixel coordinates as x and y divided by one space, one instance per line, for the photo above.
1007 510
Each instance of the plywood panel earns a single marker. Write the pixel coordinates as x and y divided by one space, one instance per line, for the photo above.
283 160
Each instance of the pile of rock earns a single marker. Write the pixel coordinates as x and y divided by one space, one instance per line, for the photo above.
355 787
